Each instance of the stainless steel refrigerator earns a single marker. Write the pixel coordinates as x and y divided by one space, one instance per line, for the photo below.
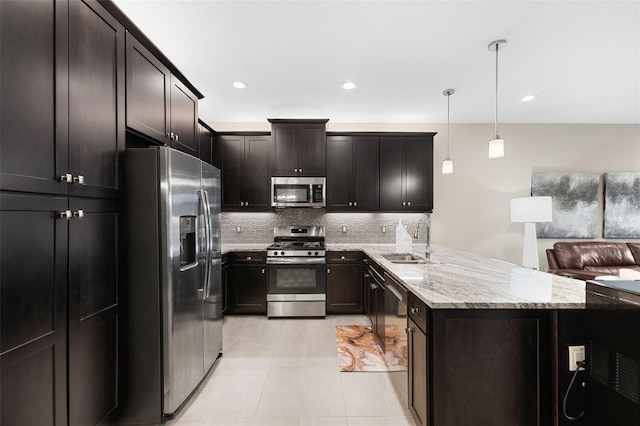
172 331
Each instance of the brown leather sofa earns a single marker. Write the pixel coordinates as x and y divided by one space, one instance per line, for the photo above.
586 260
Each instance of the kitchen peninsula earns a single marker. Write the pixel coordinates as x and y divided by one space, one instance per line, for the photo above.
482 345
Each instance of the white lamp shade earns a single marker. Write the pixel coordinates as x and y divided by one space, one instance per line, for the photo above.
447 166
531 209
496 148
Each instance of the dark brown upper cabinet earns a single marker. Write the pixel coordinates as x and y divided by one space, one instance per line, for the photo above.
406 173
159 105
246 172
62 85
353 173
207 153
300 147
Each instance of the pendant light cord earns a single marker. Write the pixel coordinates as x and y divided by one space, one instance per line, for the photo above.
496 122
448 99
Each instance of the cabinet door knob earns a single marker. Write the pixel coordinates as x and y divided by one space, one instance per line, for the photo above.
328 270
342 258
246 204
350 204
414 310
300 170
404 204
65 214
176 136
78 179
408 330
355 204
408 203
248 257
263 270
295 170
79 214
67 177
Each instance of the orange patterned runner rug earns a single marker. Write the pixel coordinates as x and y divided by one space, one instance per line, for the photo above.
358 349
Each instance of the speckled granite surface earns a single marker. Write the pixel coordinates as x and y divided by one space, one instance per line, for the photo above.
458 280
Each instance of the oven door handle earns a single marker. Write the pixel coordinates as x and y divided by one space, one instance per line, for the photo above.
296 261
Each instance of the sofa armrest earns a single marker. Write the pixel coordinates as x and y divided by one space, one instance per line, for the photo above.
578 274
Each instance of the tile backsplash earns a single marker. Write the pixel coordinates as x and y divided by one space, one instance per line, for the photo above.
360 227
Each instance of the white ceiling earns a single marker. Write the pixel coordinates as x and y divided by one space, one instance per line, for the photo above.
582 58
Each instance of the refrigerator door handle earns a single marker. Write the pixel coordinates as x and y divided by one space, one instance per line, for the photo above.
207 247
207 209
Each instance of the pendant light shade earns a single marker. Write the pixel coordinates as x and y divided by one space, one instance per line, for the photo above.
447 163
496 145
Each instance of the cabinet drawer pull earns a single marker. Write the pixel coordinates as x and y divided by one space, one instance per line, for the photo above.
248 257
68 178
65 214
79 214
342 258
78 179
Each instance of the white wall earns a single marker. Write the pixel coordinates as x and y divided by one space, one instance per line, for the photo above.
471 207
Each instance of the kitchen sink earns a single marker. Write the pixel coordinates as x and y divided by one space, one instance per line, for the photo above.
403 258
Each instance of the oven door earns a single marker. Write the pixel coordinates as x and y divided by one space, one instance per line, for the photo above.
296 276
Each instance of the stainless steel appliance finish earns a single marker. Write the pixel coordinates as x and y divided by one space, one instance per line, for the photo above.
395 313
298 192
174 317
296 283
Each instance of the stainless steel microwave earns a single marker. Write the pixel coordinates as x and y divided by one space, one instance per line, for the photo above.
298 192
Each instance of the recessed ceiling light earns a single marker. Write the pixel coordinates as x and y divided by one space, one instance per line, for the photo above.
348 85
528 98
240 85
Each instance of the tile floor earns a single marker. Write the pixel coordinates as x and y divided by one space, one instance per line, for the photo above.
284 372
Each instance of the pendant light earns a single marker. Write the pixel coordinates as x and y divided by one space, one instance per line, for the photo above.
447 163
496 145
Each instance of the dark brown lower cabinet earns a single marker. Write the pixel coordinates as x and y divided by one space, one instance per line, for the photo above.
93 311
345 292
59 309
491 367
418 371
247 283
33 298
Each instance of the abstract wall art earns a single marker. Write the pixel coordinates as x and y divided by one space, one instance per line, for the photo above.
574 203
621 205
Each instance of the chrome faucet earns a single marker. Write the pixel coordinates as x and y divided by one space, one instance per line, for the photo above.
416 235
427 251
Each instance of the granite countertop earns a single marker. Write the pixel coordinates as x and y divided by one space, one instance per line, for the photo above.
453 279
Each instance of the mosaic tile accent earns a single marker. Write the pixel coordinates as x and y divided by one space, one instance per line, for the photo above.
361 227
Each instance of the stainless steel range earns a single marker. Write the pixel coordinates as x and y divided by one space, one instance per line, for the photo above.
296 263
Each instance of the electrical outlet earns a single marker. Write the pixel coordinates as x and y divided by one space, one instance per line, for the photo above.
238 229
383 229
344 229
576 353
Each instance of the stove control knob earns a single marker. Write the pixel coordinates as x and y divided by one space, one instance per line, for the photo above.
275 253
316 253
309 253
282 253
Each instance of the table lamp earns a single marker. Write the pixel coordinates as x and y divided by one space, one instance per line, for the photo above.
530 210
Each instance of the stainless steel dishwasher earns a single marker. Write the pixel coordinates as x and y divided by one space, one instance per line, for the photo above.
395 342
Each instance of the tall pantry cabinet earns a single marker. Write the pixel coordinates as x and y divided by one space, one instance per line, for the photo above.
62 134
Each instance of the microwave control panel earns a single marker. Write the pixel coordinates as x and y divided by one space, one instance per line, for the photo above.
316 193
